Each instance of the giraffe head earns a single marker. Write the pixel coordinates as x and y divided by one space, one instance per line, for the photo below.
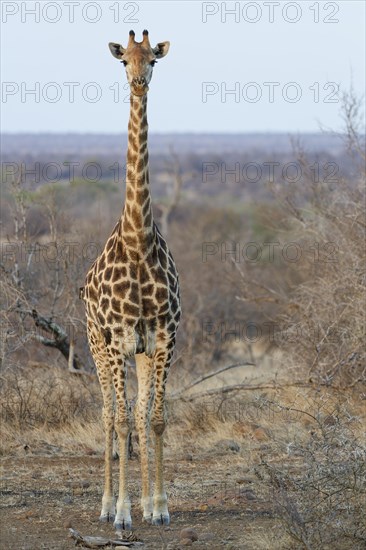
139 59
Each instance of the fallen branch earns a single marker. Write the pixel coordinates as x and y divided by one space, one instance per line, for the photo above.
178 393
240 387
101 542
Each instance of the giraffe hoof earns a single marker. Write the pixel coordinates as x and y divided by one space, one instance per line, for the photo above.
106 518
124 525
147 518
161 519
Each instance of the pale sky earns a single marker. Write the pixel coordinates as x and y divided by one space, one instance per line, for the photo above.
282 61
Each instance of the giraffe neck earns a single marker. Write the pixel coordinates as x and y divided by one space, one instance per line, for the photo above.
137 220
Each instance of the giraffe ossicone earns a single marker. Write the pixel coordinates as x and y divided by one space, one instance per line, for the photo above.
132 303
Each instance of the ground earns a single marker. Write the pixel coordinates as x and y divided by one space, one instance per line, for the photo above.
242 469
43 496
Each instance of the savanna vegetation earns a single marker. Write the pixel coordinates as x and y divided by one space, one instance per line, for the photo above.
268 383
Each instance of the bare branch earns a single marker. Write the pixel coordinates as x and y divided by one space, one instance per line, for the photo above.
60 339
209 375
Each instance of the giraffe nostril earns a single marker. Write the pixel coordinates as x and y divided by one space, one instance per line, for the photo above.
139 81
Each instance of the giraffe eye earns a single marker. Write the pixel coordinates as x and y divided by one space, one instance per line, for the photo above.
124 62
152 63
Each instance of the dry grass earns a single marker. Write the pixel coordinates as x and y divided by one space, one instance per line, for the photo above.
298 455
41 407
303 453
320 491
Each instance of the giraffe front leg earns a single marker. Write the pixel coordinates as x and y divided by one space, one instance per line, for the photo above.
144 371
108 503
123 519
158 422
122 426
160 501
101 359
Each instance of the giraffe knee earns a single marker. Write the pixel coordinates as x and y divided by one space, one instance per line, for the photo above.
158 425
158 418
122 425
122 430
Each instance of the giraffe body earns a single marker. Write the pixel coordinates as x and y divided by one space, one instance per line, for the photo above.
132 305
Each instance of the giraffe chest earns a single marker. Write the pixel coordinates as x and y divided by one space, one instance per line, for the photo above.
132 296
130 299
136 301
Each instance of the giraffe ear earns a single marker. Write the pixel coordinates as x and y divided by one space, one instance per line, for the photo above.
161 49
116 50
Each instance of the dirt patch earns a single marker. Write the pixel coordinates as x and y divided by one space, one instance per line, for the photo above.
43 496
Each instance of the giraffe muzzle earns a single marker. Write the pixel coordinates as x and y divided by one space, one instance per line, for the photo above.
139 86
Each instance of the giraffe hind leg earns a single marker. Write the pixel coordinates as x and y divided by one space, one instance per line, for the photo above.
144 372
108 501
123 428
162 361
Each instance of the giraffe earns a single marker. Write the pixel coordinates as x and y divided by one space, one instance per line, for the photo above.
132 303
